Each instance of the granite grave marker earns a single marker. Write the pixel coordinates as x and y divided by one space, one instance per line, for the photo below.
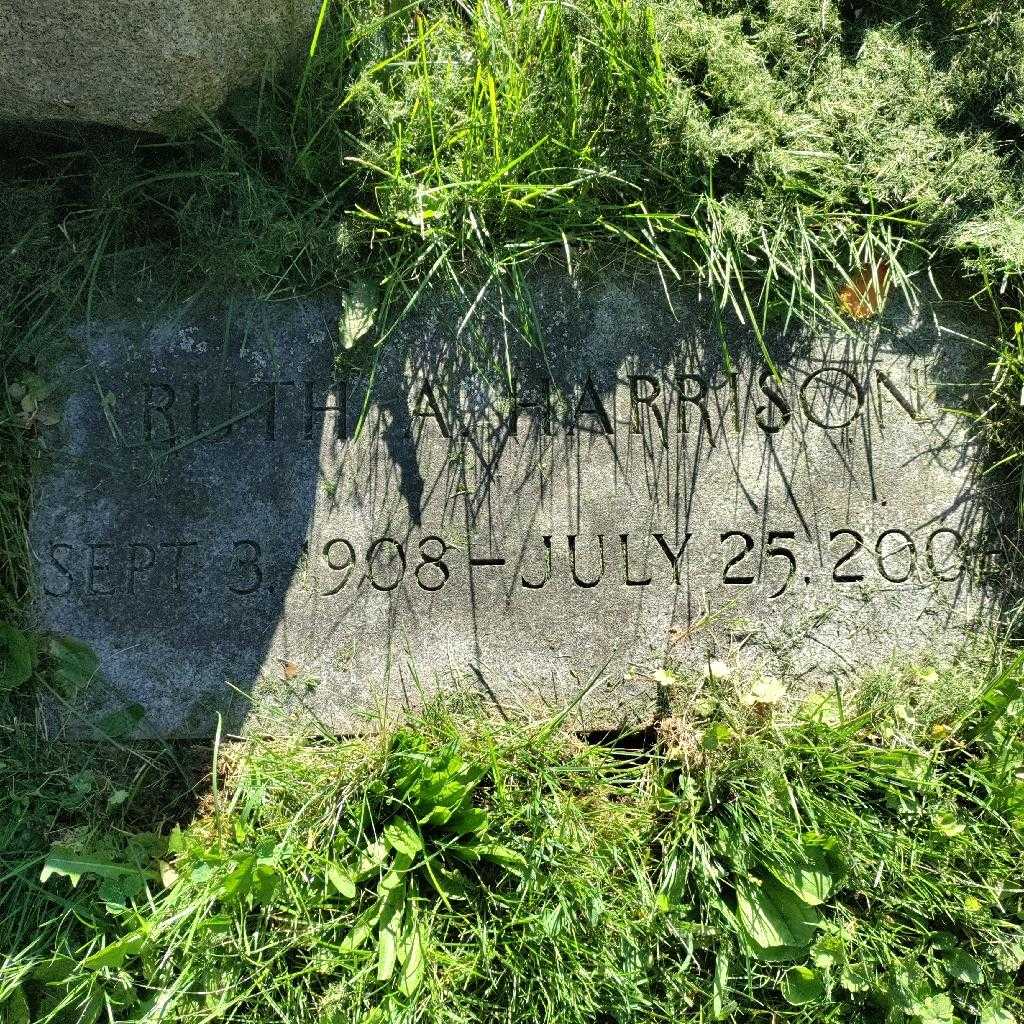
235 521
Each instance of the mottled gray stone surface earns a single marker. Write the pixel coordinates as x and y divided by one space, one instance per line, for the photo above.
214 534
140 64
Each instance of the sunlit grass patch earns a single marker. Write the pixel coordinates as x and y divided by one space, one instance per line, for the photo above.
454 868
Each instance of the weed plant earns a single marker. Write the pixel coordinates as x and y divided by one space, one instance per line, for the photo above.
850 865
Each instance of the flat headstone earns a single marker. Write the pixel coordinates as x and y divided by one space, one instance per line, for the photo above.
239 522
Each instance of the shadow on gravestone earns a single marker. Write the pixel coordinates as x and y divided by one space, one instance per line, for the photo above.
559 498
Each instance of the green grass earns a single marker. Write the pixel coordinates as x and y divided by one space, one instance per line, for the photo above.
852 865
770 150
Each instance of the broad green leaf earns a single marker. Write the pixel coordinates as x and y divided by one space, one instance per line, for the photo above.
468 852
720 1002
14 1009
393 878
471 775
824 708
809 877
778 924
855 978
121 723
358 313
217 924
54 970
943 942
828 951
362 929
715 736
118 893
403 837
239 880
74 664
503 855
73 864
411 955
803 985
265 880
444 795
405 935
176 842
945 824
996 1013
95 1002
17 656
436 816
202 873
115 954
674 876
472 819
936 1009
388 932
961 966
341 881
